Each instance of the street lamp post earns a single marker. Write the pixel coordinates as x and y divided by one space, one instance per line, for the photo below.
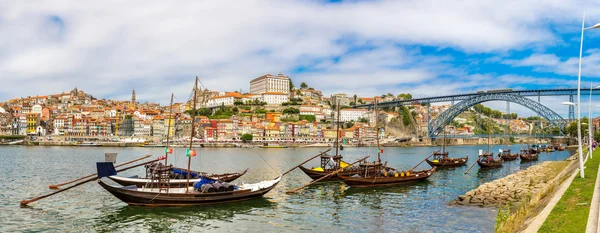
583 28
580 155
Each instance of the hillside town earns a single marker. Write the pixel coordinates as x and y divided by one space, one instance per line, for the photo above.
273 110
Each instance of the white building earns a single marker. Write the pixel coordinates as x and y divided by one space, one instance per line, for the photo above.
59 125
310 110
141 127
220 101
350 114
270 83
275 98
36 109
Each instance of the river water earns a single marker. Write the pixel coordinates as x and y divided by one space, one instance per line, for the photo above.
324 207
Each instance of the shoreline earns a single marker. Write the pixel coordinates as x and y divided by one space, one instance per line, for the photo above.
243 145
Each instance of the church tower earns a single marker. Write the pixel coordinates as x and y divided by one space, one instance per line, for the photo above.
133 97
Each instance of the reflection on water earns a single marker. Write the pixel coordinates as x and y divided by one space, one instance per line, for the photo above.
162 219
323 207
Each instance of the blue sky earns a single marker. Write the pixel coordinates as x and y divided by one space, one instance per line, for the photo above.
367 48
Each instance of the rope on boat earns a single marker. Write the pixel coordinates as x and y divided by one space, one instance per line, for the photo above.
265 161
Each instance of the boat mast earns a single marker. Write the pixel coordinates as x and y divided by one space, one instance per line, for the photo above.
337 130
488 129
191 137
377 134
169 130
444 140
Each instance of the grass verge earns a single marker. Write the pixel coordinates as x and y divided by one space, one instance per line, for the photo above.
571 213
530 204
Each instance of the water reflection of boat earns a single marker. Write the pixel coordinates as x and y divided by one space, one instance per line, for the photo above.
121 218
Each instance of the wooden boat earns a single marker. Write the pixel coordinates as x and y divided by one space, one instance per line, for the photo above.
187 196
316 173
448 162
177 178
441 159
507 156
487 161
331 163
529 155
394 177
375 174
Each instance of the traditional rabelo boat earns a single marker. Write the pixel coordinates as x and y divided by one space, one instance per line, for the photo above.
507 156
160 193
486 160
377 174
177 175
529 154
330 163
441 159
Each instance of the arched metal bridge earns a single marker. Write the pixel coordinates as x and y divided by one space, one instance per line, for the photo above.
437 125
469 99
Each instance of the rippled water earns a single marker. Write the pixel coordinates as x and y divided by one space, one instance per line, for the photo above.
325 207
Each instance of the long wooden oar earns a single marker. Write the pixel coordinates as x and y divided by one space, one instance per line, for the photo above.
326 176
410 170
311 158
25 202
473 164
56 186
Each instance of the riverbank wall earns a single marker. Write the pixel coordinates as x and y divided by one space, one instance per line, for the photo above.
424 143
516 187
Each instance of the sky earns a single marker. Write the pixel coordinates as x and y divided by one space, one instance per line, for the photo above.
368 48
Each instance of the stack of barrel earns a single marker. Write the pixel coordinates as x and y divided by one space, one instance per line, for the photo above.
217 186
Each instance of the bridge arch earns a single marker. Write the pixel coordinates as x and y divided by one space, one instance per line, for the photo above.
436 125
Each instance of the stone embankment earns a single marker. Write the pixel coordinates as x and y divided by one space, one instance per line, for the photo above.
514 188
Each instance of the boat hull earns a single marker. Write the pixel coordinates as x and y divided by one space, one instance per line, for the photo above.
510 157
496 163
140 182
319 174
454 162
361 182
140 198
529 157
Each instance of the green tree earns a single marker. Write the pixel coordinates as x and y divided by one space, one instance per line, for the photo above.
303 85
291 111
309 118
352 103
405 96
247 137
349 124
238 102
363 120
291 85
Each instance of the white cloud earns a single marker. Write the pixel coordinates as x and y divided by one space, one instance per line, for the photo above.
107 48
